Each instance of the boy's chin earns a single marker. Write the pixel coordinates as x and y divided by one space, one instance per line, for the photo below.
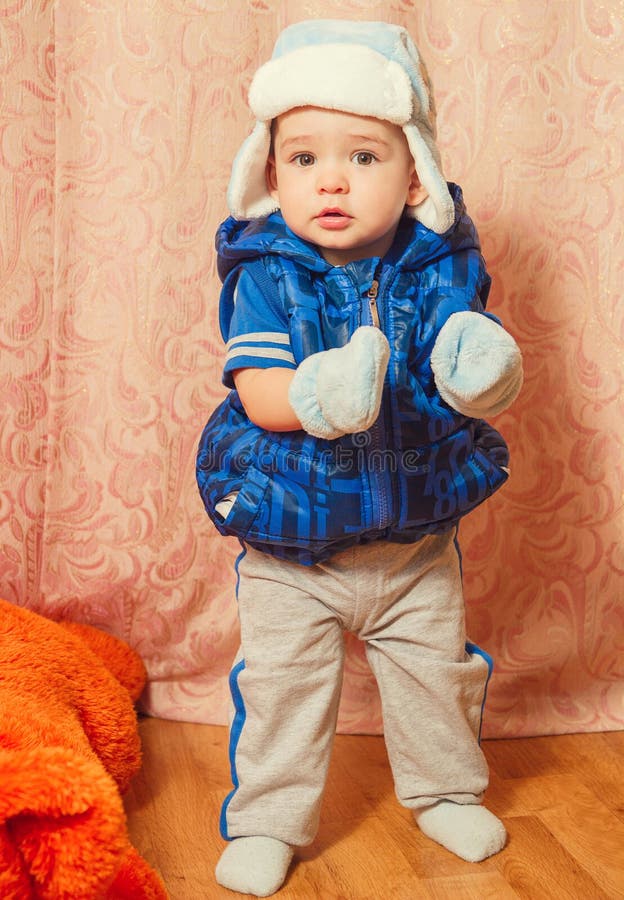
340 257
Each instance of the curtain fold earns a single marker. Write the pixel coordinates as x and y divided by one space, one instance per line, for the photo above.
118 125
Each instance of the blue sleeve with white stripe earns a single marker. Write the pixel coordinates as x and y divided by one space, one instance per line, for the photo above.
257 335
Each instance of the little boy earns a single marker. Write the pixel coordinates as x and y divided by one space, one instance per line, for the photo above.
362 366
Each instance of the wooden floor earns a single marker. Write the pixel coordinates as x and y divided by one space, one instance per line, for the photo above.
561 798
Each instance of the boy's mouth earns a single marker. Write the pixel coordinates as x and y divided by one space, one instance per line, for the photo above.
332 217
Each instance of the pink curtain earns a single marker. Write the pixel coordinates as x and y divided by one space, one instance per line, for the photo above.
118 124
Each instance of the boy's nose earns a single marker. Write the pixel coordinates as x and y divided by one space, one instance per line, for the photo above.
331 180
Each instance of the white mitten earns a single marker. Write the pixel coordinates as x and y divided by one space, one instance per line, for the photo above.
338 391
477 365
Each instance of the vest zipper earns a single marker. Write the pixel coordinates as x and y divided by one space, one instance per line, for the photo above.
377 478
372 302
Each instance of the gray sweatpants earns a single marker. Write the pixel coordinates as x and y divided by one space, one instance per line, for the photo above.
405 601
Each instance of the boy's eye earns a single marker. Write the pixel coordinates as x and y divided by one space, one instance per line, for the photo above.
304 159
364 158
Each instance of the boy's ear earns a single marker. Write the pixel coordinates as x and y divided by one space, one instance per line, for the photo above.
416 193
271 177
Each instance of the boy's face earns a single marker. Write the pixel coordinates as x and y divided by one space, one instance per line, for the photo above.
342 181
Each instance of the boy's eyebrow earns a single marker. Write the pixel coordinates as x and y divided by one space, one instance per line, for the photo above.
369 138
296 140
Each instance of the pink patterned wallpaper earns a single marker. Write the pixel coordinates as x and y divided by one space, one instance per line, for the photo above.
118 123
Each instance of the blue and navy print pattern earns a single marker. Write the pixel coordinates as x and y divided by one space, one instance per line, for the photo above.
421 467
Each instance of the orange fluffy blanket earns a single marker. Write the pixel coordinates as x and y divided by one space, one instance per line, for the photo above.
69 746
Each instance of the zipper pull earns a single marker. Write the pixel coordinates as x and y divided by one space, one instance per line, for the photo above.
372 303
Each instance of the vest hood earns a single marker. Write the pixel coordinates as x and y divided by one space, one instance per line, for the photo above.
415 246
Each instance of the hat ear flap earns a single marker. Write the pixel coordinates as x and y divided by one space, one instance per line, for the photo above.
248 196
436 210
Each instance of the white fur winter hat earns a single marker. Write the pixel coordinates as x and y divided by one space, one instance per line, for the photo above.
365 68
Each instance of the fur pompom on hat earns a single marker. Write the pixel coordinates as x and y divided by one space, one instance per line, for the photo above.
365 68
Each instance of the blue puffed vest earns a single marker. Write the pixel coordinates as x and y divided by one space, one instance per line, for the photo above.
422 466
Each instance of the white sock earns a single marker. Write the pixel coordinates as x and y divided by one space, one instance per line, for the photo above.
254 865
470 832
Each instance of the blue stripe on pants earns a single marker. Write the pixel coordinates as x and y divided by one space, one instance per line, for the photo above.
240 714
474 650
235 733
